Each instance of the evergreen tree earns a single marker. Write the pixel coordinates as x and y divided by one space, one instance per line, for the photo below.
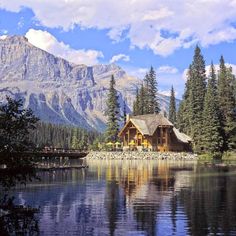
124 112
213 140
15 125
152 105
196 98
227 103
113 113
74 141
60 136
183 114
136 104
142 101
172 107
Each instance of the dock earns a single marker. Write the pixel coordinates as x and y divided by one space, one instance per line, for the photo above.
54 168
55 153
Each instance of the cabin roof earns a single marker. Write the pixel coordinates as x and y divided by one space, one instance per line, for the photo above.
147 124
181 136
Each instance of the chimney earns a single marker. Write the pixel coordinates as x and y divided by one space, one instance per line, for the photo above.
127 117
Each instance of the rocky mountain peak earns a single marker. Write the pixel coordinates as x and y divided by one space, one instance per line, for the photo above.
59 91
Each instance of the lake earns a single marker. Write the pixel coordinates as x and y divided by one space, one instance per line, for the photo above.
134 198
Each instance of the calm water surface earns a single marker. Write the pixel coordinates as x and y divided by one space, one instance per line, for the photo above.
135 198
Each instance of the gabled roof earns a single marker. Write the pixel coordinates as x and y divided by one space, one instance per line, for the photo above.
152 121
140 125
147 124
181 136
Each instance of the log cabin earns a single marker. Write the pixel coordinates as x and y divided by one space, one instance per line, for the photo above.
153 132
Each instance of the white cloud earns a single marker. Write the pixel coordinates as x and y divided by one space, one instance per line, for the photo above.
119 57
167 70
162 26
47 42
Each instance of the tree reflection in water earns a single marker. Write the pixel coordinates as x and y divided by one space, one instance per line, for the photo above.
136 198
19 223
210 202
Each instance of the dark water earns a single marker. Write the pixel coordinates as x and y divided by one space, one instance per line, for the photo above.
135 198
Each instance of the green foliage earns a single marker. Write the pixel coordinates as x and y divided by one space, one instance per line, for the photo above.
196 98
190 114
229 155
136 104
190 120
146 101
113 113
227 103
124 113
209 156
212 135
61 136
183 114
209 116
172 107
150 81
15 124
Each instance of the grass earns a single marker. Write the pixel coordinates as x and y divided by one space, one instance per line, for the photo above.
229 156
218 156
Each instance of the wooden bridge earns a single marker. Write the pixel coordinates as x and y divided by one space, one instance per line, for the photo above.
55 153
60 152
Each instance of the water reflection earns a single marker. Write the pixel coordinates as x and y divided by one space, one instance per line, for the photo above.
135 198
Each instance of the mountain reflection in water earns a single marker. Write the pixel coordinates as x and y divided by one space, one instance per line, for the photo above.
134 198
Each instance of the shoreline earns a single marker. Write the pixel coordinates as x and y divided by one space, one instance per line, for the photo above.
104 155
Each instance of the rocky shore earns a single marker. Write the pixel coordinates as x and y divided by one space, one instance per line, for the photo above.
141 156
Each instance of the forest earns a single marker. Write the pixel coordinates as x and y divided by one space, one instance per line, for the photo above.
62 136
207 112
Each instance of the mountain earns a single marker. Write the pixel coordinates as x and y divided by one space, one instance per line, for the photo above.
59 91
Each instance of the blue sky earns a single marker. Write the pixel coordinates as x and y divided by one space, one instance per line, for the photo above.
134 34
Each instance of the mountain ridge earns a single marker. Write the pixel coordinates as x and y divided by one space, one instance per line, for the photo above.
59 91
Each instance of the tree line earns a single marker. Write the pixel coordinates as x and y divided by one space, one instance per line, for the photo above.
207 111
62 136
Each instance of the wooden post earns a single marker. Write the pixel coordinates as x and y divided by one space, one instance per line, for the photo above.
161 135
128 137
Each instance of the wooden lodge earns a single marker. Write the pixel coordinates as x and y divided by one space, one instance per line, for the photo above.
153 132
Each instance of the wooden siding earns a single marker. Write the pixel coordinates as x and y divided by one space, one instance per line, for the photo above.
162 140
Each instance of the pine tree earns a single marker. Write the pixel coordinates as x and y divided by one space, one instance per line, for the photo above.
142 101
196 98
213 140
124 112
136 104
172 107
74 141
227 103
151 92
113 113
183 114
